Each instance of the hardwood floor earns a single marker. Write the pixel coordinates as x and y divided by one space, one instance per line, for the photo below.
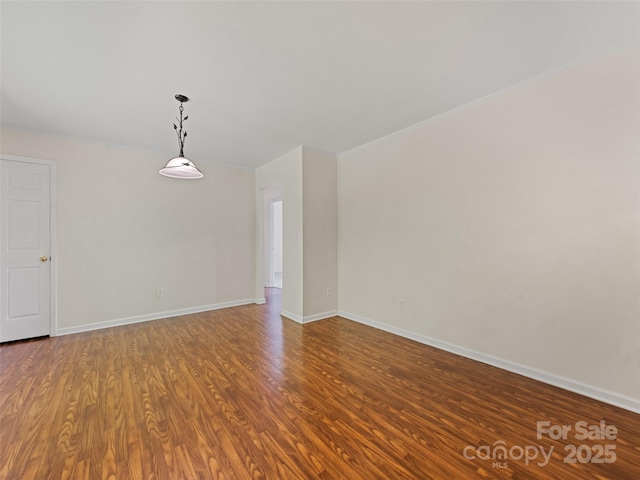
241 393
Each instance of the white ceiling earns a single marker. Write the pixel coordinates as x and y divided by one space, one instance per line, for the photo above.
266 77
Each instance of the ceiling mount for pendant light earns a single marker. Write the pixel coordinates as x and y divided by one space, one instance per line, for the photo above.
180 166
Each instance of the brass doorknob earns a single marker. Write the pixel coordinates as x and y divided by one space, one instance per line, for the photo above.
44 258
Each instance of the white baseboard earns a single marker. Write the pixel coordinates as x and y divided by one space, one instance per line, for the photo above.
291 316
590 391
308 318
319 316
260 301
152 316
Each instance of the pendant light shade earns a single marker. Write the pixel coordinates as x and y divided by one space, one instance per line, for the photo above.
180 166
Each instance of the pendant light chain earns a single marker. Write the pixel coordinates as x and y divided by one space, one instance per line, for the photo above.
181 136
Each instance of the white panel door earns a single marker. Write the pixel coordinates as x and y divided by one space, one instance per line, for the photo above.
25 272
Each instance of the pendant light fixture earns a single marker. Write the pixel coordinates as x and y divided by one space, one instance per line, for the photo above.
180 166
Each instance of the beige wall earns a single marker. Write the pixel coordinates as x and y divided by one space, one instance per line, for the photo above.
125 231
307 181
319 180
509 226
286 172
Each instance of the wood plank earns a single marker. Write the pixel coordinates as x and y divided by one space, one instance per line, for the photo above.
244 393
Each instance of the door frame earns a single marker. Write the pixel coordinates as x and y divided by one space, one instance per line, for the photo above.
53 236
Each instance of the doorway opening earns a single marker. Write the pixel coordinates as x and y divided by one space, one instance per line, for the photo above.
272 264
275 227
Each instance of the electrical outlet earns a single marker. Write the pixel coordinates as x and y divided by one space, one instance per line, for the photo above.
159 293
329 291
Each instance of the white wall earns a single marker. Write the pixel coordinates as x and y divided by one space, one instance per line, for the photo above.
319 174
510 226
125 231
286 172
